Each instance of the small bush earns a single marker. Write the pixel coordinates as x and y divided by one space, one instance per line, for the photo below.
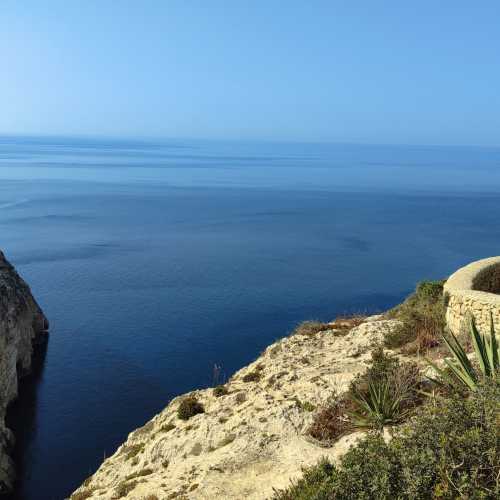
123 489
167 427
449 450
316 484
309 328
305 405
132 450
189 407
382 365
385 393
331 421
422 317
220 390
254 376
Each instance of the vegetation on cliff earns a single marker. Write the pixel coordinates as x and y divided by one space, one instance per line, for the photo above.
449 448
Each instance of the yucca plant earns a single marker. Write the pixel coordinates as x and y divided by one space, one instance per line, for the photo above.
461 371
380 406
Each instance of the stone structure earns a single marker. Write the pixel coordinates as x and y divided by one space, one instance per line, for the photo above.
22 323
474 289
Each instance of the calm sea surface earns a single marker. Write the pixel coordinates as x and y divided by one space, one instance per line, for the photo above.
154 261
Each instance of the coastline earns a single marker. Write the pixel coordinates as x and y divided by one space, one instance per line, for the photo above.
251 439
22 325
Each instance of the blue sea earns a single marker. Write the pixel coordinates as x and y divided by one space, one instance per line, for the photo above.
156 260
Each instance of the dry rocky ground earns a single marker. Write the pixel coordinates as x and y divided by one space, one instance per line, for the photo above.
253 438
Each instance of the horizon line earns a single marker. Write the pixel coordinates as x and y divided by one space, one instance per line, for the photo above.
161 139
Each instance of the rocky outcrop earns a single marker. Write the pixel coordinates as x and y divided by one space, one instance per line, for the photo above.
22 324
252 436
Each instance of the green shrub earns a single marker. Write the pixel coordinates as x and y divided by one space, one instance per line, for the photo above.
382 365
253 376
167 427
189 407
124 488
385 393
449 450
305 405
422 317
219 391
316 484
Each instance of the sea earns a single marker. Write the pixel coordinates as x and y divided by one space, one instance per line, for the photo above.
166 265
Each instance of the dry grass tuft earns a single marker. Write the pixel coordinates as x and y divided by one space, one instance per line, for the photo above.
310 328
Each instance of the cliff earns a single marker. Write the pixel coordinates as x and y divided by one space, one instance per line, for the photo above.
251 436
22 324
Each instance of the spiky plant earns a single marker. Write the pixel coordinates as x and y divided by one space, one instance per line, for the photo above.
461 372
380 406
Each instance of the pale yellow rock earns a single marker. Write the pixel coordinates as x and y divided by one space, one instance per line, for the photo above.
249 441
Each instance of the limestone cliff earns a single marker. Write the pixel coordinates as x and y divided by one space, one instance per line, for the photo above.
251 437
22 324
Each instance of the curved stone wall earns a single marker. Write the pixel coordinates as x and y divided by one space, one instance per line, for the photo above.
474 289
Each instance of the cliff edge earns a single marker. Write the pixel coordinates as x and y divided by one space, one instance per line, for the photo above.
22 324
248 437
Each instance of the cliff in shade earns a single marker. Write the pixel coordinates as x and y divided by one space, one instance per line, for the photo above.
22 325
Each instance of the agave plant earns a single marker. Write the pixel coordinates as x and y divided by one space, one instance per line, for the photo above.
461 370
382 405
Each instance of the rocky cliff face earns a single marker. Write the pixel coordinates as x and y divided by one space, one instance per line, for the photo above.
22 324
250 437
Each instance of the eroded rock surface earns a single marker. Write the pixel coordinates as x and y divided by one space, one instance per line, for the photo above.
251 439
22 324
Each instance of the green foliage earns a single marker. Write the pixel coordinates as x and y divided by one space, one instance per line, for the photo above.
382 365
124 488
422 317
304 405
449 450
316 484
385 393
189 407
167 427
430 291
381 406
461 371
219 391
253 376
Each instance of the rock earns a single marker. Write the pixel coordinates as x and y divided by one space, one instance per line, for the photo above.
22 323
252 439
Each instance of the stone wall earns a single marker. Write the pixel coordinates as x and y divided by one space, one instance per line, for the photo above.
474 289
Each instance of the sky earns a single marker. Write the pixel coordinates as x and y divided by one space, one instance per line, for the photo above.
397 72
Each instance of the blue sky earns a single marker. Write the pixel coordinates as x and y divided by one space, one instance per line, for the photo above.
422 72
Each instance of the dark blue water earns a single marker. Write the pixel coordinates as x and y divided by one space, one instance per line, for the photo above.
153 261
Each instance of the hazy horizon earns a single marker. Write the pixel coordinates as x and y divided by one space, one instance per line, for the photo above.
151 139
324 72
